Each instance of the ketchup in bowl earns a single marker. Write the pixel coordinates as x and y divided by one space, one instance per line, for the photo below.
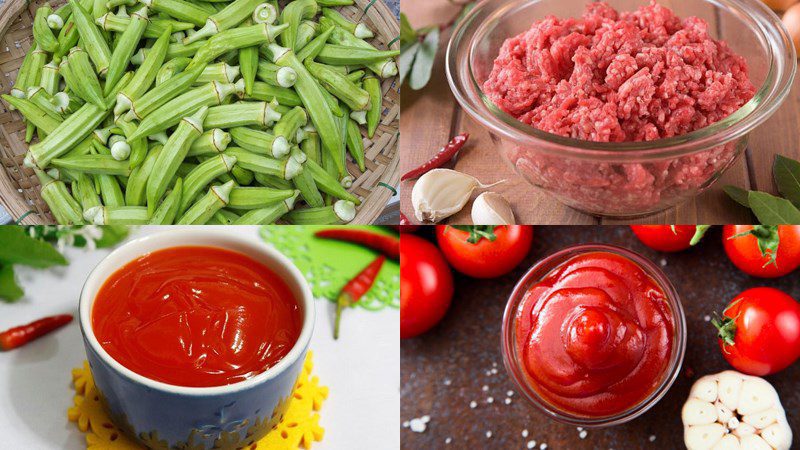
196 316
594 335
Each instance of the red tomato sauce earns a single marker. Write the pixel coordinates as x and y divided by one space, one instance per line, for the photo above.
595 335
196 316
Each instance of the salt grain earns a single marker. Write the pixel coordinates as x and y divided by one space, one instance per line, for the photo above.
418 425
488 435
448 381
707 318
524 433
473 404
405 424
582 434
543 447
531 444
485 388
425 419
490 400
652 438
510 393
448 440
507 401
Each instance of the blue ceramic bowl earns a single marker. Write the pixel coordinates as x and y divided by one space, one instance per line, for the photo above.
162 415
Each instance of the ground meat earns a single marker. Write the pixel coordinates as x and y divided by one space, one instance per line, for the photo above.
616 77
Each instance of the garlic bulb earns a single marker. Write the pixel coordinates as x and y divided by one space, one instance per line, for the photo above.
491 208
731 410
441 193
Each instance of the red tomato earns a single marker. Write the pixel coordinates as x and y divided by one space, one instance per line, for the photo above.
760 331
744 252
426 286
666 238
485 258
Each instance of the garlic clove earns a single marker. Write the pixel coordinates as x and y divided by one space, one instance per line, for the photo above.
756 397
491 208
703 436
744 429
728 442
705 389
723 413
441 193
754 442
777 435
730 387
698 412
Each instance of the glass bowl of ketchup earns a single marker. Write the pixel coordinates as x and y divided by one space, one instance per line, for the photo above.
594 335
196 338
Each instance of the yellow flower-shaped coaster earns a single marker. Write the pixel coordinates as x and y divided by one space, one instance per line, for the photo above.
298 429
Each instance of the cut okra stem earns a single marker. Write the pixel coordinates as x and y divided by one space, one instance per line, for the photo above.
265 13
242 114
210 142
359 30
260 142
276 75
235 39
286 168
220 72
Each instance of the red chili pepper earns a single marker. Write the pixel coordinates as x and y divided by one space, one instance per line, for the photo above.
19 336
355 289
388 245
441 158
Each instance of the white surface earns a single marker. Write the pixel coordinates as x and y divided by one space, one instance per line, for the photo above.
362 368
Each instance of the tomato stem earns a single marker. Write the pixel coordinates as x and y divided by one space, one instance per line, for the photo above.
478 232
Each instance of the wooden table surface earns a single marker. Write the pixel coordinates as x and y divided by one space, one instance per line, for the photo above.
432 115
464 348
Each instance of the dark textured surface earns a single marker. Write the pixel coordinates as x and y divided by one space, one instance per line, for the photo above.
467 344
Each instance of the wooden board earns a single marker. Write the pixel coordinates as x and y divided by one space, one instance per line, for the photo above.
432 115
445 369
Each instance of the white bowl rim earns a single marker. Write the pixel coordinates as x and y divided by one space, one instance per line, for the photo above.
216 238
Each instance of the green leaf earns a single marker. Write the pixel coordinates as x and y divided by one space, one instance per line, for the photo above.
478 232
17 247
406 59
112 235
771 210
786 172
423 63
9 289
407 32
738 195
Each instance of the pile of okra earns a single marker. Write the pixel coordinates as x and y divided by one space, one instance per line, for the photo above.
170 111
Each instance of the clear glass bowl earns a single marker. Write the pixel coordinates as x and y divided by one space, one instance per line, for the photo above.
633 178
518 373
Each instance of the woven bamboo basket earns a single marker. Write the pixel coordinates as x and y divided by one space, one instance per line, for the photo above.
19 187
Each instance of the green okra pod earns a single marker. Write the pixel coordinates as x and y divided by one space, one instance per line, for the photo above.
81 69
172 155
224 217
292 15
311 145
233 14
272 181
174 50
373 86
155 27
305 33
337 84
286 168
211 142
50 78
248 64
138 147
220 72
269 214
136 190
93 40
83 188
64 207
340 55
94 164
359 30
121 215
304 182
203 210
174 110
108 185
267 92
384 68
242 114
257 197
125 47
44 101
234 39
243 177
202 175
42 33
276 75
180 10
356 76
171 68
290 123
163 93
313 99
260 142
33 113
23 81
312 49
331 3
71 131
328 183
355 144
342 211
167 211
145 74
